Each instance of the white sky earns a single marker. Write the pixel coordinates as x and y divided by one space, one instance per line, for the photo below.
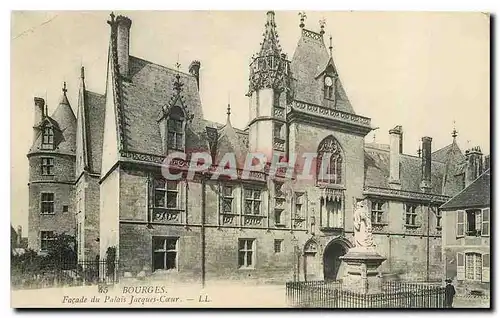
419 70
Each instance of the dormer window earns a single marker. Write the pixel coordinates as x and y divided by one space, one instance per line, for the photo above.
176 129
329 84
48 138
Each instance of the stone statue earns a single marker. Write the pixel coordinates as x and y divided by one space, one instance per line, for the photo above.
363 236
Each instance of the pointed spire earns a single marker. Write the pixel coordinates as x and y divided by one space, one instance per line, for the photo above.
302 16
270 45
64 88
82 79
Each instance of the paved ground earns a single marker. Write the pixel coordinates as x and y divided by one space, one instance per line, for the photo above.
468 302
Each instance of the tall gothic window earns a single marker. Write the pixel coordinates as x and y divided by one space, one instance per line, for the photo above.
48 138
329 161
176 122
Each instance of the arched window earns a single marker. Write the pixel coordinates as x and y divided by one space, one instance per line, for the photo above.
48 138
329 167
176 121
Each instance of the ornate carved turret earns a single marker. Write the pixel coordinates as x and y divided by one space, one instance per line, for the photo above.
269 68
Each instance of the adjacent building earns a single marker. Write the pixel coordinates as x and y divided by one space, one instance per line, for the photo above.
64 173
106 182
18 243
466 235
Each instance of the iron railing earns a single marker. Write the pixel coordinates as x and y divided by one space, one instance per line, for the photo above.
65 273
320 294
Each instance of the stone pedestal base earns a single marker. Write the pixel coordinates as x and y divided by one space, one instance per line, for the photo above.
362 270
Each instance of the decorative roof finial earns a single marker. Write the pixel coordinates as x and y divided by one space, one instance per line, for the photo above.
270 17
454 133
177 83
228 107
302 16
419 151
112 16
331 46
64 88
322 24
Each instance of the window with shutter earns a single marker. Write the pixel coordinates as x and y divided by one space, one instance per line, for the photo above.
486 268
478 222
460 266
485 222
460 223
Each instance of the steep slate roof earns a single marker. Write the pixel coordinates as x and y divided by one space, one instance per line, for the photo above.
309 61
476 195
149 89
63 120
455 162
443 154
95 104
377 171
230 142
66 119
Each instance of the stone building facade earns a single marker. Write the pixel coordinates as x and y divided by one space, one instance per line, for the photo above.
466 233
262 227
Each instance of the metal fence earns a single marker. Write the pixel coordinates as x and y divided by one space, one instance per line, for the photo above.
64 273
319 294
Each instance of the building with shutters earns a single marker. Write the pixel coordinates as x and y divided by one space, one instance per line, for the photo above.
106 182
466 236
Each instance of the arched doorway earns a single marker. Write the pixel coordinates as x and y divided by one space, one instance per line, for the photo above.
312 264
332 269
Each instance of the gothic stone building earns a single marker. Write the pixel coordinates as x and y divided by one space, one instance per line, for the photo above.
99 175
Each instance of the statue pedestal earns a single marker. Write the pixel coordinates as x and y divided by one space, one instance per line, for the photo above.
362 270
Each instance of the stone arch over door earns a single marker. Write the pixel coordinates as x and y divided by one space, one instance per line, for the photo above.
312 261
332 264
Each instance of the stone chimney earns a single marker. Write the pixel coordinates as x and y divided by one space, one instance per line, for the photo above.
123 25
474 167
395 151
194 69
39 113
486 162
426 184
39 109
19 235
